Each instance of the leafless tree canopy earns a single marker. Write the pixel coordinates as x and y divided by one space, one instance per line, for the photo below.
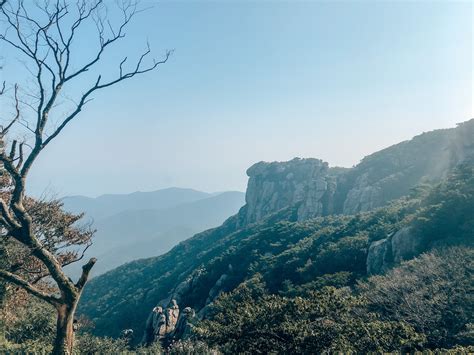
43 34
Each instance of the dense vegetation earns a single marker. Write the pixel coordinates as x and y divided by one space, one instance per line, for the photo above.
320 251
426 303
294 262
29 328
298 300
282 285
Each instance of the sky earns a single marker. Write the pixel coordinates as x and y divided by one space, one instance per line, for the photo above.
260 80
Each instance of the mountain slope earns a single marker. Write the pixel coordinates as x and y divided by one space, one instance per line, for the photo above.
309 238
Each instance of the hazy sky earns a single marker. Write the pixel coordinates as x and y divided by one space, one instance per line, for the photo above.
264 80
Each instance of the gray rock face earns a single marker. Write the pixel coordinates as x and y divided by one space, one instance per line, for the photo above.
168 325
363 196
382 254
182 288
405 245
215 291
273 186
377 257
184 325
161 323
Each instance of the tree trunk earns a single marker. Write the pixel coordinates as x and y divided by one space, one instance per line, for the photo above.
64 342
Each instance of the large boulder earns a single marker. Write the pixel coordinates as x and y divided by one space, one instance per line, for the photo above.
377 256
400 246
405 245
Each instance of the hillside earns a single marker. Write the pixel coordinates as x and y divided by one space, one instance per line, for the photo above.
306 225
134 233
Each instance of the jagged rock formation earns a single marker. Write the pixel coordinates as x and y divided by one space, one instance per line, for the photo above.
185 324
186 286
172 315
217 288
167 325
155 325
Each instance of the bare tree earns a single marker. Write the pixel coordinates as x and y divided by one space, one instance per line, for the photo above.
44 33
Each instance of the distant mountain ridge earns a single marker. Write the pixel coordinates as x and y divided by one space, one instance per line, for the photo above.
286 203
145 224
110 204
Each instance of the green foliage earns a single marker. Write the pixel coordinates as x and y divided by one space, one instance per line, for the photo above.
192 347
458 350
277 272
325 321
34 322
447 215
87 344
346 254
29 325
337 280
426 303
28 347
434 293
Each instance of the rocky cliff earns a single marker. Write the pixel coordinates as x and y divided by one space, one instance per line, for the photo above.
316 190
306 183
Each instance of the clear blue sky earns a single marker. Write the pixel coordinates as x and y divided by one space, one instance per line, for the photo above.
265 80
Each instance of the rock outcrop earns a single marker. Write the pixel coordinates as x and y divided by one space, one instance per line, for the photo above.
378 256
276 185
363 196
185 325
168 325
316 190
218 287
400 246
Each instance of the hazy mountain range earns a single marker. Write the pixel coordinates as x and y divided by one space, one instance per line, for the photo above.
144 224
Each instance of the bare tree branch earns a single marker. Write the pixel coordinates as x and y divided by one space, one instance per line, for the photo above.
15 118
85 273
28 287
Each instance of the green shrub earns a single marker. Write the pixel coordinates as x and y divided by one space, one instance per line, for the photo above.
328 320
91 345
190 347
434 293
